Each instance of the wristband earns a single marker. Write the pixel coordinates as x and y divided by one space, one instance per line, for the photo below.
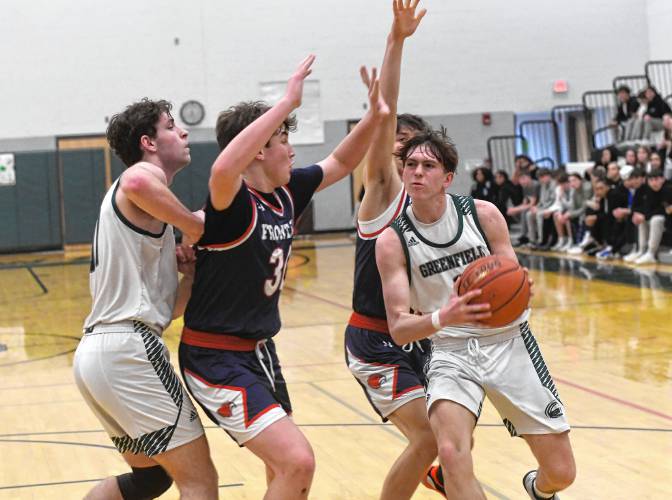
436 322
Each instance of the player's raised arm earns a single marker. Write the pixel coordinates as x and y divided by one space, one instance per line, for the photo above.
404 326
380 178
145 185
350 152
226 173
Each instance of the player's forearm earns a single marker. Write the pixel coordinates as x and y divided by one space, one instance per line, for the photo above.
183 295
390 72
351 151
240 152
155 198
406 327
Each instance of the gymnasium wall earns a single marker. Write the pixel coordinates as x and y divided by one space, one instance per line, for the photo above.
659 14
68 65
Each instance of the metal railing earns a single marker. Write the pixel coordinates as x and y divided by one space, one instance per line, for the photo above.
600 108
542 138
659 74
545 162
502 151
636 83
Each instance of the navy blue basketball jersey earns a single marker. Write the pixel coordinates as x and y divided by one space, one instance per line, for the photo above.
367 296
242 259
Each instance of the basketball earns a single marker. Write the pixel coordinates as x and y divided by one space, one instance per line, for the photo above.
504 286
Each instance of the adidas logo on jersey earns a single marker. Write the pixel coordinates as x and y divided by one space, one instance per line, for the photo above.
412 241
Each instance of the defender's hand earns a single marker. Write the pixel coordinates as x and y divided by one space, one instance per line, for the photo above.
377 105
405 21
294 91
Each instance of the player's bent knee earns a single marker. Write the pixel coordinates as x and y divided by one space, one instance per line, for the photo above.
143 483
301 463
562 475
451 457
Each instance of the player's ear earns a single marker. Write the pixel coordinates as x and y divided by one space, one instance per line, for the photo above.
260 155
448 180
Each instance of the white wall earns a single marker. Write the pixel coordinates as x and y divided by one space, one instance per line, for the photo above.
67 65
659 13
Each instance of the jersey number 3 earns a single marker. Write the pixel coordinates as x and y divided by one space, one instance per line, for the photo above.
278 262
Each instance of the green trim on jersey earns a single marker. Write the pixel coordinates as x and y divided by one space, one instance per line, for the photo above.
460 225
478 224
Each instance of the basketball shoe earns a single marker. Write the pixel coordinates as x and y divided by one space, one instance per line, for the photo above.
434 480
528 484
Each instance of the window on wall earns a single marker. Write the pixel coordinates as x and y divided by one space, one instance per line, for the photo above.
310 127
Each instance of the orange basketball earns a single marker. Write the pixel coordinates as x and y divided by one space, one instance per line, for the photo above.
504 286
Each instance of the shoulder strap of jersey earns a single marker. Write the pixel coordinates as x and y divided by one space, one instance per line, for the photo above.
467 206
401 226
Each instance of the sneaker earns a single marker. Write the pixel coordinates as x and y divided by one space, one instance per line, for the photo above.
632 256
562 242
575 250
647 258
593 249
605 254
528 484
567 246
587 240
434 480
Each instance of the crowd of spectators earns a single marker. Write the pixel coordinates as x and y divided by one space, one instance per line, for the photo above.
621 207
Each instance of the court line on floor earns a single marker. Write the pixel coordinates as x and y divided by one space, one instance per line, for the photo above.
389 430
614 399
60 483
37 279
369 423
566 382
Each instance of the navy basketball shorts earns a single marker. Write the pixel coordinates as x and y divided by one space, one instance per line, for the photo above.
390 375
242 391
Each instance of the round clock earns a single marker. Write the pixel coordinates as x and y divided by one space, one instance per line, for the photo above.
192 112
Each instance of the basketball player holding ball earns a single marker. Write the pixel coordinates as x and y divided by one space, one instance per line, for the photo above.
420 257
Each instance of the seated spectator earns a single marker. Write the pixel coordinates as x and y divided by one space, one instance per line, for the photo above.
643 154
538 213
606 157
506 194
523 163
527 197
613 174
596 220
619 203
570 223
665 147
626 115
631 157
483 187
649 217
656 107
622 208
655 162
560 211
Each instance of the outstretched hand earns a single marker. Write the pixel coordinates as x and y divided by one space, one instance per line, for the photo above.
377 104
294 91
405 20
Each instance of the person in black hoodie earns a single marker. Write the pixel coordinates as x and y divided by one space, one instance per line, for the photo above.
656 107
649 216
484 186
507 194
626 114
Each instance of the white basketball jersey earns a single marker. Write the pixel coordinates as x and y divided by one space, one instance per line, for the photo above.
437 253
133 273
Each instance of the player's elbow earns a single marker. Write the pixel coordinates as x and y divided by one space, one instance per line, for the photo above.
134 184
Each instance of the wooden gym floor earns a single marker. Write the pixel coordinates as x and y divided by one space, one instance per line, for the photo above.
605 331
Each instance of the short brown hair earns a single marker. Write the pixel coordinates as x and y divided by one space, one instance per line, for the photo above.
234 120
439 145
126 128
